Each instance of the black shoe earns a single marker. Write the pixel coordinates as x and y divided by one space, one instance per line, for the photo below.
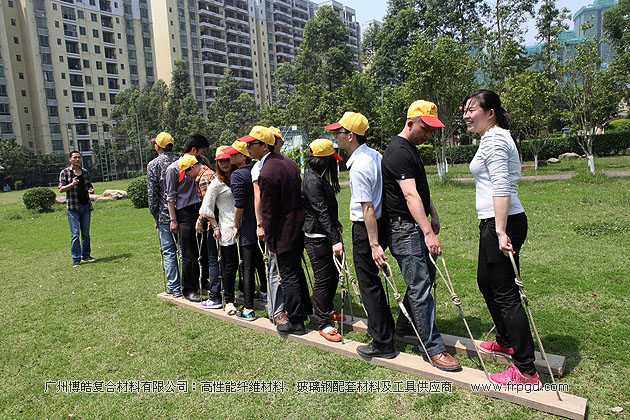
192 297
175 293
370 350
290 328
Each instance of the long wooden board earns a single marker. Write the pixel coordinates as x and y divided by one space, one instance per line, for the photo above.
570 406
453 344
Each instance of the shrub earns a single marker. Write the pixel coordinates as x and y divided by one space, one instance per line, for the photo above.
619 125
427 153
137 192
39 198
462 154
19 185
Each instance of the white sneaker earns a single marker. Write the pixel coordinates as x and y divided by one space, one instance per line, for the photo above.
230 309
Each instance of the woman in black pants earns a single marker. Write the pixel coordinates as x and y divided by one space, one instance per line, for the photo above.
322 232
496 169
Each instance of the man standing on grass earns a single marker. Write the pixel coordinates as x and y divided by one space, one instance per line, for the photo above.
280 186
413 235
183 203
156 186
75 182
369 234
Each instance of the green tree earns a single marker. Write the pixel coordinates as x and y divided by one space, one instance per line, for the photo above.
441 71
16 160
617 25
369 44
457 19
591 93
550 22
529 98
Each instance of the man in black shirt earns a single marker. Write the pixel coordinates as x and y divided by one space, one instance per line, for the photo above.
413 236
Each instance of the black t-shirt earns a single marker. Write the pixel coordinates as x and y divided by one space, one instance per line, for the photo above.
84 197
401 160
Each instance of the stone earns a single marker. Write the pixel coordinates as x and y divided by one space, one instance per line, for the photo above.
552 160
103 198
569 155
117 194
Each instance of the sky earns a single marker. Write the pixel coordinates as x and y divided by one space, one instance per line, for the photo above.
375 9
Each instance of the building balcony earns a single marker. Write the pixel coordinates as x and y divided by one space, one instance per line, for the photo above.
213 25
208 12
211 62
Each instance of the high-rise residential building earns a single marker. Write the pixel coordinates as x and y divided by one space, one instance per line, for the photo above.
251 38
62 64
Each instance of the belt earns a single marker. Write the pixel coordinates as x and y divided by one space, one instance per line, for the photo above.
400 219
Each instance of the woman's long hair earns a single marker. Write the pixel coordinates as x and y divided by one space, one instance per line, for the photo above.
223 177
326 165
488 100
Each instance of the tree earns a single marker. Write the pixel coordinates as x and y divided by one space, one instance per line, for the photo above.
550 23
617 26
591 93
369 44
16 161
457 19
529 98
441 71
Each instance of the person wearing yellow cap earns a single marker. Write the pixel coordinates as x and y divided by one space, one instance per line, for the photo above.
282 219
260 152
322 232
496 168
244 225
156 188
369 234
219 197
183 203
413 235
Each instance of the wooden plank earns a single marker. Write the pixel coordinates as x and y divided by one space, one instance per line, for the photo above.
570 406
453 344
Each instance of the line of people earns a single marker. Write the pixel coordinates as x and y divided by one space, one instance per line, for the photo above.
261 217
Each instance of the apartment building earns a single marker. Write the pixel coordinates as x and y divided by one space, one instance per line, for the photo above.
251 38
62 64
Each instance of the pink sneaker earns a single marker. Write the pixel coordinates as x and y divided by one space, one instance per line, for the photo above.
492 347
513 376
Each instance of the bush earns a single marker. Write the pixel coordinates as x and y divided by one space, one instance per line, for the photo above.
427 153
19 185
39 198
461 154
137 192
619 125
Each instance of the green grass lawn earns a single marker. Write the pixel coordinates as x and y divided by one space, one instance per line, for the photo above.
103 321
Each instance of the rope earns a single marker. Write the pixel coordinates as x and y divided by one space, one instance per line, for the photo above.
270 295
177 251
219 262
308 273
387 273
162 258
521 290
458 304
342 280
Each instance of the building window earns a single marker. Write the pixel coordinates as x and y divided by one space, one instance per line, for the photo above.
101 97
16 40
10 3
84 47
90 96
82 30
99 65
12 22
86 64
61 58
88 80
101 81
80 14
58 41
93 17
95 33
104 112
97 49
26 110
23 92
21 75
92 112
18 58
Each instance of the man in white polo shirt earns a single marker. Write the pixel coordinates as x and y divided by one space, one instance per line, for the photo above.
369 237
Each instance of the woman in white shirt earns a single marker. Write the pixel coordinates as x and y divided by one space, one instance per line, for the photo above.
496 169
219 197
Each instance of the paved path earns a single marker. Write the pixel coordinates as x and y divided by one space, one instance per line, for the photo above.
553 177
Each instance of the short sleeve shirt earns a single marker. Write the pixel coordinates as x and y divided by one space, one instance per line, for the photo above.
366 184
401 161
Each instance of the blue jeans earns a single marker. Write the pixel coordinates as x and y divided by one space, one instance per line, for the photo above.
169 252
407 246
213 268
80 225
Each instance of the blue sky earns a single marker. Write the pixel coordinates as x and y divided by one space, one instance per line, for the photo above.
375 9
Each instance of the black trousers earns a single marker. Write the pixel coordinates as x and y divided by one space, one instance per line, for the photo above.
297 302
380 320
249 255
229 267
186 219
495 277
326 278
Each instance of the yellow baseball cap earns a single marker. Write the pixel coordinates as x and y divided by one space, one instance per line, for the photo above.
163 139
322 148
184 163
427 111
276 132
260 133
237 147
221 154
351 121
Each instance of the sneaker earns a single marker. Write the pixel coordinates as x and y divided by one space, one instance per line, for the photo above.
174 293
263 296
211 304
230 309
492 347
76 264
89 259
370 350
514 376
246 314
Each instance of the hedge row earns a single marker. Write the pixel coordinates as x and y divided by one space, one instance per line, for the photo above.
604 145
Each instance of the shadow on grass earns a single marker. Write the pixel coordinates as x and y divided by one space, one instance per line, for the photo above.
114 258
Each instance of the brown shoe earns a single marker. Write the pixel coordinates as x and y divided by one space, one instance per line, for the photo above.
446 362
281 318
